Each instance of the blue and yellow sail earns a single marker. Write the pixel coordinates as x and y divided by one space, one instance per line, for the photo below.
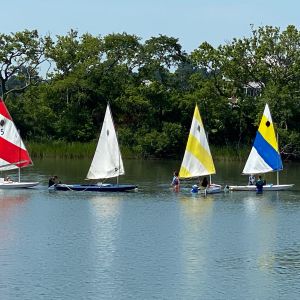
264 156
197 160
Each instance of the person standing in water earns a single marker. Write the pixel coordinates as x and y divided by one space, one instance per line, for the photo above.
175 182
204 183
259 184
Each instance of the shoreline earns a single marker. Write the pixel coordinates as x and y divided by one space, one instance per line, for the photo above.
77 150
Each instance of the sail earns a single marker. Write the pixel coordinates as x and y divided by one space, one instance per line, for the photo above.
197 160
264 156
107 161
13 153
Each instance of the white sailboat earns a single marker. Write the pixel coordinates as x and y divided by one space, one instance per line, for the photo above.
13 153
107 163
197 160
264 156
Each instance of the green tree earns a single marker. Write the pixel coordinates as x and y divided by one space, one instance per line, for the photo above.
21 56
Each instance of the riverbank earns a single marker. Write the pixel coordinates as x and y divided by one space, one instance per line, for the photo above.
77 150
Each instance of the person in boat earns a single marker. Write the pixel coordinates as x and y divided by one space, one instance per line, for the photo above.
175 182
204 183
8 179
259 184
53 180
251 180
56 181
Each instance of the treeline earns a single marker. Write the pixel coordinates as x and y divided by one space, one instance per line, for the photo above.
57 88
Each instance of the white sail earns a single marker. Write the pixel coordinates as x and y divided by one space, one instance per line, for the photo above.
107 161
264 156
197 160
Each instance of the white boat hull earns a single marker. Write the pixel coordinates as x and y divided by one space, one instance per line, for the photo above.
212 189
267 187
17 185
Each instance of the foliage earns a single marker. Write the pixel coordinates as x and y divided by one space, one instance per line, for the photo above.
21 56
152 87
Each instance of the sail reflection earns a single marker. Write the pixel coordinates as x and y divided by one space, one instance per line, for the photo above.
106 207
8 202
105 231
195 205
282 262
9 205
197 213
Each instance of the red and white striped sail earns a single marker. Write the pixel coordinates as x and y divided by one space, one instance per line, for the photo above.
13 153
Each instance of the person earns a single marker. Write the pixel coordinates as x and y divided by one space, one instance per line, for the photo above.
53 180
204 182
56 179
195 189
259 185
175 182
226 188
8 179
251 180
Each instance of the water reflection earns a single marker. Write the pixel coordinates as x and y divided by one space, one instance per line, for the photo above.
150 244
196 213
260 203
105 206
196 206
105 210
285 262
10 204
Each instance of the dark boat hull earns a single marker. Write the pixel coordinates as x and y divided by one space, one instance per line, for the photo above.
107 187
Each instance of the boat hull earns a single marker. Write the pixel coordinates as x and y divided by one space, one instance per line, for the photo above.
17 185
267 187
94 187
212 189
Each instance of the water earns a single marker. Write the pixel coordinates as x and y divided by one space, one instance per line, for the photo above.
153 244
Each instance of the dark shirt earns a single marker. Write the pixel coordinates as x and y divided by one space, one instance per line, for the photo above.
51 182
204 182
175 181
259 185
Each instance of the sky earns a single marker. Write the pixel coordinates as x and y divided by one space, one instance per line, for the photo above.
191 21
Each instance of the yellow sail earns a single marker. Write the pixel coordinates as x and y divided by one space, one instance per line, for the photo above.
197 160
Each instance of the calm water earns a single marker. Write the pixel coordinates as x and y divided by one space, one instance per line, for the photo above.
153 244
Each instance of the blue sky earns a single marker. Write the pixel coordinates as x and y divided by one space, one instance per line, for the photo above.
191 21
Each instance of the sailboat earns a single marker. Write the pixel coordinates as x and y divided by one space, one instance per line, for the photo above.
197 160
264 156
107 163
13 153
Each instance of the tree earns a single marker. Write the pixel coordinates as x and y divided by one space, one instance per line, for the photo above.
21 56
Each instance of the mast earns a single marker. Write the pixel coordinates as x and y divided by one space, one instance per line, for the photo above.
277 173
119 164
119 152
19 169
208 143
